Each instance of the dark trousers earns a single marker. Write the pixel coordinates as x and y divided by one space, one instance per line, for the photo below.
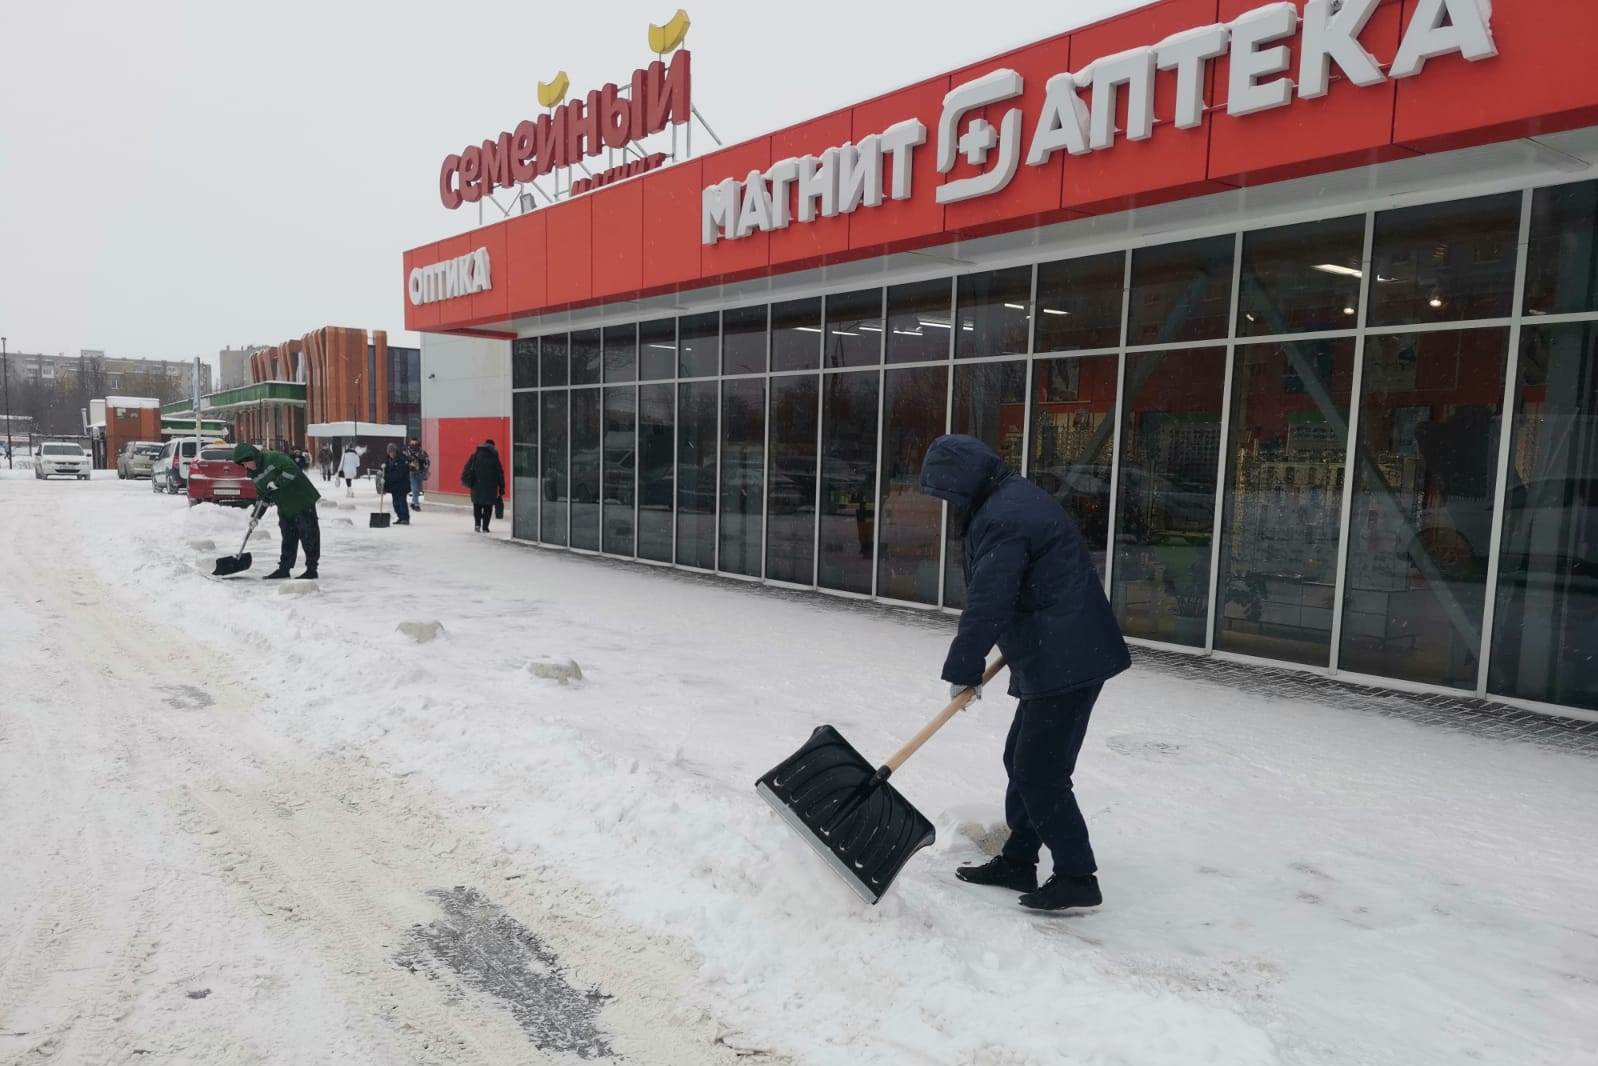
481 513
304 529
1040 805
401 510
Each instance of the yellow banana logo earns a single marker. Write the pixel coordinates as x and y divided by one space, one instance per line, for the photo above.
663 39
553 91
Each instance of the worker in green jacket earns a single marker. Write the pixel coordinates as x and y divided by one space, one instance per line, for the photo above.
279 481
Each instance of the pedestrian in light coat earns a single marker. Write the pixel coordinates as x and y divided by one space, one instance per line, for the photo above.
349 468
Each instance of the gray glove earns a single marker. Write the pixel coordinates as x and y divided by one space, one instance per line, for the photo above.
955 690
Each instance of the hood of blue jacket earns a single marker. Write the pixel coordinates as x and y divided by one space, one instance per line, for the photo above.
962 470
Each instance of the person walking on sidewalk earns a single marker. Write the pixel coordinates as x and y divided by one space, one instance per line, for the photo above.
1032 590
281 483
396 479
420 462
484 475
324 458
349 468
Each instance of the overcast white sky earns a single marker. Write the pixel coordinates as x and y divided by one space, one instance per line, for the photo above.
179 177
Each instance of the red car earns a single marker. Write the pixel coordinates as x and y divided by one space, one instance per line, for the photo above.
215 478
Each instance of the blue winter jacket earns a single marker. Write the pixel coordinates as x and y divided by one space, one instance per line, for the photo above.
1030 586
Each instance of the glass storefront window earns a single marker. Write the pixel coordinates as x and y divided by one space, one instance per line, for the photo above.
657 349
989 404
1181 292
848 480
552 359
1303 278
554 489
524 465
699 345
791 480
1422 510
796 335
524 363
696 475
585 429
907 558
1073 441
854 328
617 488
1445 262
656 470
586 357
743 340
992 312
743 446
1165 506
621 353
1562 258
918 321
1282 509
1079 303
1545 624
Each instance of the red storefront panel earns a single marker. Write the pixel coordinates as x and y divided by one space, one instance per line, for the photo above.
410 259
811 242
569 251
492 305
425 316
918 220
525 276
458 308
1033 195
1170 165
750 253
1350 126
618 239
671 225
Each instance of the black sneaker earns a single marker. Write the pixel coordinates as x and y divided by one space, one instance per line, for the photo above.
309 575
1001 873
277 575
1059 893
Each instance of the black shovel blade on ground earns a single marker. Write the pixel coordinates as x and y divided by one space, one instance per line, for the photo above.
232 564
378 519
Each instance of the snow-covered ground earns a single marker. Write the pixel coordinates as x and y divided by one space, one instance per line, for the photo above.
265 790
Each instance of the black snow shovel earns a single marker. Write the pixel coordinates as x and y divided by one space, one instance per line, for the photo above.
864 829
237 564
378 519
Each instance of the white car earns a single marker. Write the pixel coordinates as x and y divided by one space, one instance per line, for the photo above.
170 471
58 458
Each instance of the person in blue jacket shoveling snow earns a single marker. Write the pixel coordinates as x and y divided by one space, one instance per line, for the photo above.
1032 590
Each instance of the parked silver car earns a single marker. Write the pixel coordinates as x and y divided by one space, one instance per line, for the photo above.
137 458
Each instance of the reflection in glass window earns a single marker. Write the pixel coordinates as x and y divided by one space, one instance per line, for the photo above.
656 470
907 559
524 465
621 353
698 345
918 321
696 475
552 360
1282 509
848 480
1545 626
621 454
1445 262
989 404
585 469
1562 261
992 312
854 328
586 357
524 363
743 340
791 486
657 349
1423 502
743 446
1079 303
1073 441
1165 507
554 487
796 335
1303 278
1181 292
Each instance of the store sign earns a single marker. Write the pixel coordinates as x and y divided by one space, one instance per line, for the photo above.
878 167
658 95
461 276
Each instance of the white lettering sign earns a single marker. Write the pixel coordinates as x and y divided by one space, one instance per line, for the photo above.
460 276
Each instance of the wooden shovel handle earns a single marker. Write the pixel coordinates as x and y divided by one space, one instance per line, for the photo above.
955 706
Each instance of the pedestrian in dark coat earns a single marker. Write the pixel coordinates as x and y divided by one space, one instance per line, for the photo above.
484 475
1031 589
396 482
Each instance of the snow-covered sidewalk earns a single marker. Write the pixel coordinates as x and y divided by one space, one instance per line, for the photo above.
1284 881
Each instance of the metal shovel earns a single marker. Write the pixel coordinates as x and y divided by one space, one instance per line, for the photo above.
861 825
229 565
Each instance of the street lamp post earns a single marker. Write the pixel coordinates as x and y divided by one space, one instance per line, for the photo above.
5 371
